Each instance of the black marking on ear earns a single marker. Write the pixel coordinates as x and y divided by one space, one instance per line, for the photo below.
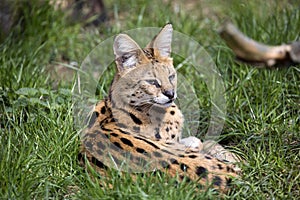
193 156
118 145
164 164
135 119
220 166
157 154
174 161
103 110
183 167
127 142
217 181
157 136
172 112
140 150
201 171
148 142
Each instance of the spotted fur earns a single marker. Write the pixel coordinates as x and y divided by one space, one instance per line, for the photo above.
139 124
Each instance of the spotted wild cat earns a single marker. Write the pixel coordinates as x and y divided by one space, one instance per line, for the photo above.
139 123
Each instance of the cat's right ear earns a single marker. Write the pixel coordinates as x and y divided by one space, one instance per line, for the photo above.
127 52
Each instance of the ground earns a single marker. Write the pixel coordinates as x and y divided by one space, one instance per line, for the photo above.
39 143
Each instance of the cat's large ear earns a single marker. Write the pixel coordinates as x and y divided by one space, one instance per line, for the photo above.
161 43
127 52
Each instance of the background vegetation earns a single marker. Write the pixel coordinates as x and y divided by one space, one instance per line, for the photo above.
39 145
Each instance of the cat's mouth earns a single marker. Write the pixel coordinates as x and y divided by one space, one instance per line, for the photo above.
165 104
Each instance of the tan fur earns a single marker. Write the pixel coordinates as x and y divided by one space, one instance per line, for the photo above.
139 123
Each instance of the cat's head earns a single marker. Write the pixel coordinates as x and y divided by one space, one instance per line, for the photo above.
146 76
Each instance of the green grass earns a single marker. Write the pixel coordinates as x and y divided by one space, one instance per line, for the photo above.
39 144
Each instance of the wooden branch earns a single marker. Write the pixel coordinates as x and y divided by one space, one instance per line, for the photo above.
251 51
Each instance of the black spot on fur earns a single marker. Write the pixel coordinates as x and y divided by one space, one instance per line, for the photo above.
174 161
137 129
157 136
103 110
118 145
183 167
208 157
201 171
181 156
173 136
192 156
135 119
217 181
167 129
157 154
127 142
220 166
114 134
164 164
140 150
229 169
172 112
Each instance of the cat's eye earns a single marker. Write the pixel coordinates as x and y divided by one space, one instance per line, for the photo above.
171 77
153 82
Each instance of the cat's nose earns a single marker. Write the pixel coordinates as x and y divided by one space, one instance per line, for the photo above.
169 93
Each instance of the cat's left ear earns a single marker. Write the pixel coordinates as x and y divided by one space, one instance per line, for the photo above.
161 43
